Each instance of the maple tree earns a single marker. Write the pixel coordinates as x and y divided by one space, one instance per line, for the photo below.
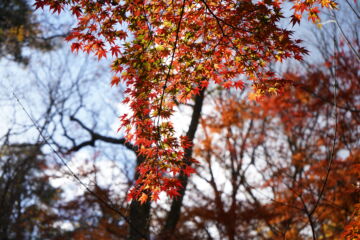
169 52
288 165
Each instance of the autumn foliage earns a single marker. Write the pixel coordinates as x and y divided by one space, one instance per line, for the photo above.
270 151
287 166
167 51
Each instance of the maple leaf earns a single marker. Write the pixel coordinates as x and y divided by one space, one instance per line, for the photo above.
56 7
76 10
296 18
172 193
227 84
101 53
142 169
188 170
40 4
175 170
73 35
75 47
115 80
239 84
131 195
115 50
298 57
121 34
143 198
185 143
155 195
313 14
204 83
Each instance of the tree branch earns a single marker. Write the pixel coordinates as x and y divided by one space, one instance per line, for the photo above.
98 137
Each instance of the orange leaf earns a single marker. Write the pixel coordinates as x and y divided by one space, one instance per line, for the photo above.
143 198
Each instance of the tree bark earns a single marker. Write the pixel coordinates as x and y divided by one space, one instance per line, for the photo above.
173 215
139 214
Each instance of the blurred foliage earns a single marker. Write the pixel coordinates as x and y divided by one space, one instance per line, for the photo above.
19 29
26 196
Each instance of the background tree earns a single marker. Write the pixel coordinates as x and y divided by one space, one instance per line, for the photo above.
282 168
19 29
27 197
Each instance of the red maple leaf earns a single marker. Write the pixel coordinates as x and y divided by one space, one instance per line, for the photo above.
101 53
76 10
188 170
155 195
75 47
115 50
115 80
172 192
295 19
39 4
121 34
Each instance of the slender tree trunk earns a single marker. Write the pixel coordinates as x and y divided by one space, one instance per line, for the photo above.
173 216
139 215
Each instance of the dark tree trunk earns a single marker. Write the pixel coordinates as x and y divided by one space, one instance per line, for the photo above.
139 215
173 215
